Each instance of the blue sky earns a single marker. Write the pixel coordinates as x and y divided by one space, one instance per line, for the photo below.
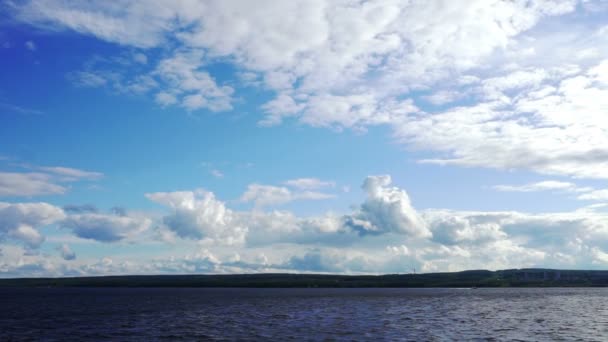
325 136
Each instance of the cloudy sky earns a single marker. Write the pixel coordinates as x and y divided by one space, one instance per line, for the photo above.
302 136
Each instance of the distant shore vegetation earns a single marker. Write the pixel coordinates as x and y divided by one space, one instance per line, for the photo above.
473 278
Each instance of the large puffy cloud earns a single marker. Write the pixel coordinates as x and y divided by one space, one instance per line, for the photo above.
20 221
199 215
384 234
454 229
278 242
386 209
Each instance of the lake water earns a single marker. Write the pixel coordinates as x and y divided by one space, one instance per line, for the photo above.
147 314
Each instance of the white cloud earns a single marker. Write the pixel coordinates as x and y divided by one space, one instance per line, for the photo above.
28 184
524 99
20 221
269 195
595 195
442 97
19 109
71 174
549 185
386 209
182 74
87 79
44 182
198 215
104 227
165 99
282 106
280 241
454 229
30 45
511 91
264 195
119 22
556 130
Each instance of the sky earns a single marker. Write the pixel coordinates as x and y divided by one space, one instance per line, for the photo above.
355 137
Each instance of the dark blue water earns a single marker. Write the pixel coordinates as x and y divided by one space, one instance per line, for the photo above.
77 314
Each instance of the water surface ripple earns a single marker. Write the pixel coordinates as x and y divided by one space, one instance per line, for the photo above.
151 314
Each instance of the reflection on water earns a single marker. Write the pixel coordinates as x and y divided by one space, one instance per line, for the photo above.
317 314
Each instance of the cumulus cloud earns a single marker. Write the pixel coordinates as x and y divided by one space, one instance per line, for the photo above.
199 215
312 261
453 228
384 234
20 221
386 209
105 227
282 241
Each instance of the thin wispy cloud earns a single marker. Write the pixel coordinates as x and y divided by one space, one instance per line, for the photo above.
19 110
217 173
548 185
42 180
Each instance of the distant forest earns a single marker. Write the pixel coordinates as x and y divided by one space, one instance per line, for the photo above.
475 278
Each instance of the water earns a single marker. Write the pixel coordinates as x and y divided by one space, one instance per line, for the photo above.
146 314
